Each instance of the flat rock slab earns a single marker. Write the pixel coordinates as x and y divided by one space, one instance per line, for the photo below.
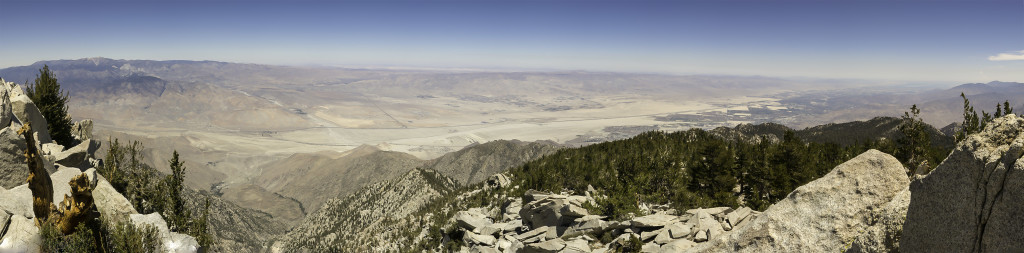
476 239
679 230
576 246
532 233
654 221
471 220
735 217
13 170
549 246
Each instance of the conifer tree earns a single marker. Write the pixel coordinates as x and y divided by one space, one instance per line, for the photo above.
914 144
47 95
175 183
971 123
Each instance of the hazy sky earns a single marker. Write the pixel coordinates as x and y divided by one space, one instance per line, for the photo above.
949 41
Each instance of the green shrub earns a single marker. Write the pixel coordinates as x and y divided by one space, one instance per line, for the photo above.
98 236
82 240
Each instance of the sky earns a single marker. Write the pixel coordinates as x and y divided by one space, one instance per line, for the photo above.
931 41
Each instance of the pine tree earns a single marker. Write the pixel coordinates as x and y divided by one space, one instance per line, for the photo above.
175 184
971 123
914 145
47 95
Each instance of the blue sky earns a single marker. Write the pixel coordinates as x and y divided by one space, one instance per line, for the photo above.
941 41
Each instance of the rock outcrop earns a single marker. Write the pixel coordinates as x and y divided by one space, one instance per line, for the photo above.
972 201
13 170
26 112
824 215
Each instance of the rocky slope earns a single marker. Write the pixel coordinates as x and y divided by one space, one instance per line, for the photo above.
475 163
373 218
313 178
283 209
235 228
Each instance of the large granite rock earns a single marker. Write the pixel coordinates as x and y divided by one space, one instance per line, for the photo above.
77 155
823 215
13 170
26 111
885 227
972 201
111 204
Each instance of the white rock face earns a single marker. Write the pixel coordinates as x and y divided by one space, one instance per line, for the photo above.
13 170
22 236
26 111
823 215
972 202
